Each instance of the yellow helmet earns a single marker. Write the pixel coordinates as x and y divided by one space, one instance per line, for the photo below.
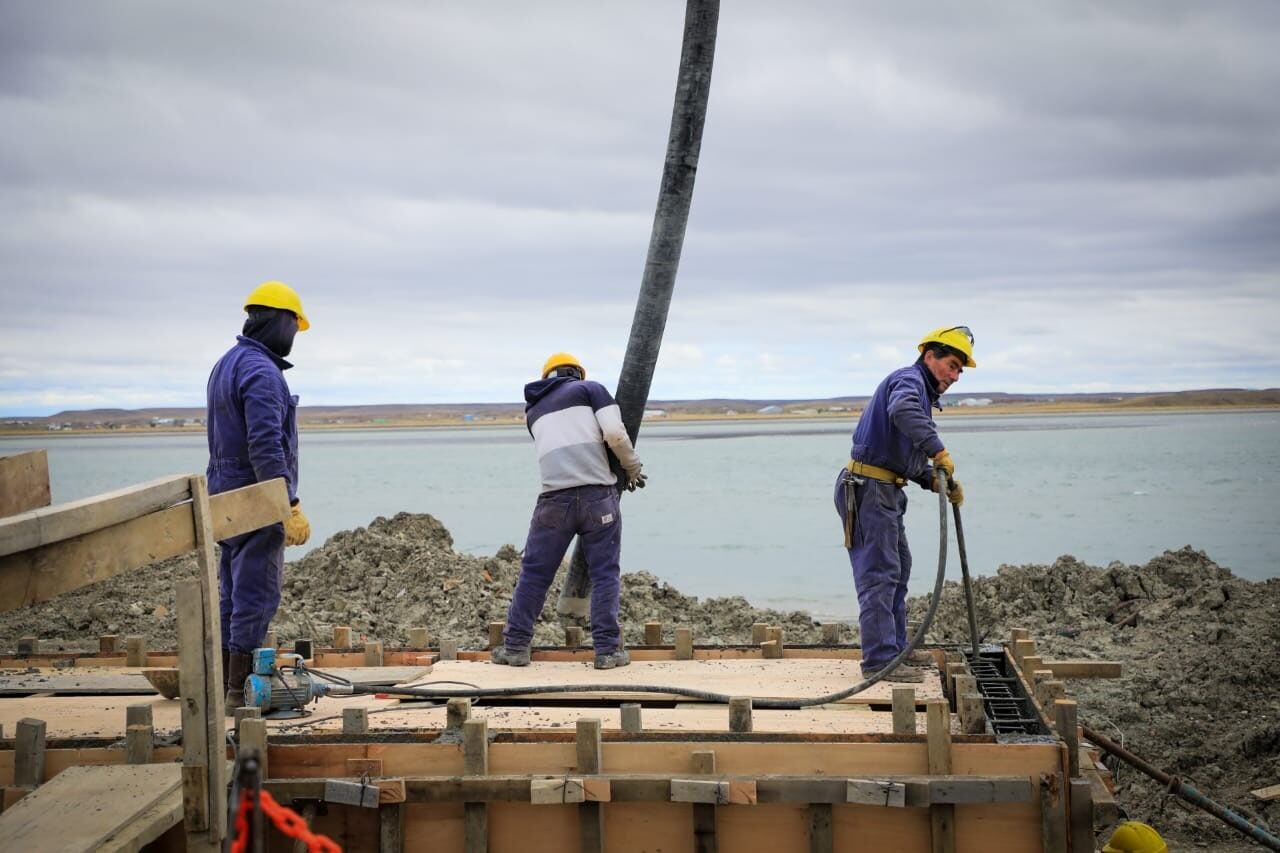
562 359
1134 837
277 294
959 338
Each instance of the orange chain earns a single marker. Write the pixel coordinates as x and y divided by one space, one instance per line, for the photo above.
286 820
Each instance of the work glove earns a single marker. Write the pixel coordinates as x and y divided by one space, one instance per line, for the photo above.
637 481
943 461
297 530
955 494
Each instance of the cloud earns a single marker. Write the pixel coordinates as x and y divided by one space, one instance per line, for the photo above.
458 190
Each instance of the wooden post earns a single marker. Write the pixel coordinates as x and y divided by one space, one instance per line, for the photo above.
136 651
590 761
704 814
631 721
475 757
418 638
108 644
1030 663
28 646
1040 675
771 650
304 648
1081 808
973 714
448 650
341 637
253 737
391 828
942 816
904 710
1053 817
774 633
740 714
308 814
758 632
269 641
28 758
457 711
821 831
1016 634
954 669
1064 711
495 634
355 721
831 634
1048 693
1021 649
653 633
373 653
684 644
573 636
138 744
137 715
245 712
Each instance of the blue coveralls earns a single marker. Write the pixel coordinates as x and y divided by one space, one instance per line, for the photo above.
580 498
896 432
253 436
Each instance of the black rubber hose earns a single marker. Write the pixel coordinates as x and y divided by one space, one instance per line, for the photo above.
706 695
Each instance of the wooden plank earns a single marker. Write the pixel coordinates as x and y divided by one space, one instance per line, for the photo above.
355 721
821 830
1084 668
705 839
556 791
390 828
139 744
1065 715
83 807
1053 819
904 711
208 655
713 791
40 527
876 792
740 714
590 755
24 485
39 574
684 644
1081 816
1267 794
253 739
475 757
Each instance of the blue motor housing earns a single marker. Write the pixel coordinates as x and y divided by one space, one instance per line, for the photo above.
271 690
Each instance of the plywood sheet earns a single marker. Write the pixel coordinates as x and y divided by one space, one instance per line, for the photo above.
126 681
83 807
792 678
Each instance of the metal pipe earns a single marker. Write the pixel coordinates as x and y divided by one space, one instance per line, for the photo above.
1175 785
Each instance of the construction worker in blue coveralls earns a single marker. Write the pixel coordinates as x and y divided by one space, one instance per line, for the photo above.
572 421
893 443
253 437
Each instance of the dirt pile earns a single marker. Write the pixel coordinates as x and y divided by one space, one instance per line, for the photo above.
1200 696
382 580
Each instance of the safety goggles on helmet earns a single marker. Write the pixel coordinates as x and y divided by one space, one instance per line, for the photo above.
964 330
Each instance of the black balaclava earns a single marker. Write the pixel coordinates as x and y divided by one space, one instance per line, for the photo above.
274 328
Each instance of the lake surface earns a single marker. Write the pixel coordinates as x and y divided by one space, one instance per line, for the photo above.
745 508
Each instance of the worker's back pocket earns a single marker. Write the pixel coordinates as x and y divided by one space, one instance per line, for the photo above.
550 512
601 513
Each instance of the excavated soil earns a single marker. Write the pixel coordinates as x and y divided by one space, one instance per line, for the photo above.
1200 695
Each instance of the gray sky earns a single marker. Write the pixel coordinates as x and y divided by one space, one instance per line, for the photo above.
458 189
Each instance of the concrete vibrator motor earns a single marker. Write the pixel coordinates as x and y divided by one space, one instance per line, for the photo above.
281 687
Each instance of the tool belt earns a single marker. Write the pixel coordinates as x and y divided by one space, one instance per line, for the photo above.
874 472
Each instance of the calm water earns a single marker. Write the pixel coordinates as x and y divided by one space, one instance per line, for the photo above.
746 509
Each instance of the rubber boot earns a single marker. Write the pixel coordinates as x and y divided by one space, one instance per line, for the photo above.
507 656
615 658
238 670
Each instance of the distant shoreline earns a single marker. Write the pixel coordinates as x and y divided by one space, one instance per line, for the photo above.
953 411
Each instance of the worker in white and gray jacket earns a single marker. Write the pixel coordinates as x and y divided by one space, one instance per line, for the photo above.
573 421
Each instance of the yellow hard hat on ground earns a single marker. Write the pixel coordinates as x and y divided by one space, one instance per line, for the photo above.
959 338
562 359
277 294
1135 837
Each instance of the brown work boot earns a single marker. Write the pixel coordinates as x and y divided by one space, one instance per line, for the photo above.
505 655
238 669
902 673
613 659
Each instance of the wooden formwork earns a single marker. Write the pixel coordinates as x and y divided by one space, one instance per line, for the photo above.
899 767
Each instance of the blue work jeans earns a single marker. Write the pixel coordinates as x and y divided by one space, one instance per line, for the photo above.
881 564
590 512
249 574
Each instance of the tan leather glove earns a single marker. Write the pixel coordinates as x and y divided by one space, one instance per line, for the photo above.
943 461
956 493
297 530
636 482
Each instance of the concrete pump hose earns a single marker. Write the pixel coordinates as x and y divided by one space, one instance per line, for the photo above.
707 696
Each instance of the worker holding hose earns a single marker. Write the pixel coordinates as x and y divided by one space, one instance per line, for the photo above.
893 444
253 437
573 421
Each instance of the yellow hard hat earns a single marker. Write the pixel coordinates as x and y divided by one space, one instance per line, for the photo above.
562 359
1135 837
959 338
277 294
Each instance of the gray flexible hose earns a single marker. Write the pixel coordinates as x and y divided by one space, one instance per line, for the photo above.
705 695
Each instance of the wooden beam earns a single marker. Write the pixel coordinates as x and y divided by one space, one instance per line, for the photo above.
1084 668
495 634
29 753
139 744
24 484
740 714
391 828
457 712
253 738
942 816
52 524
1053 818
475 762
355 721
704 812
39 573
632 722
590 761
1267 794
1081 820
653 633
904 710
418 638
821 830
684 644
1068 729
